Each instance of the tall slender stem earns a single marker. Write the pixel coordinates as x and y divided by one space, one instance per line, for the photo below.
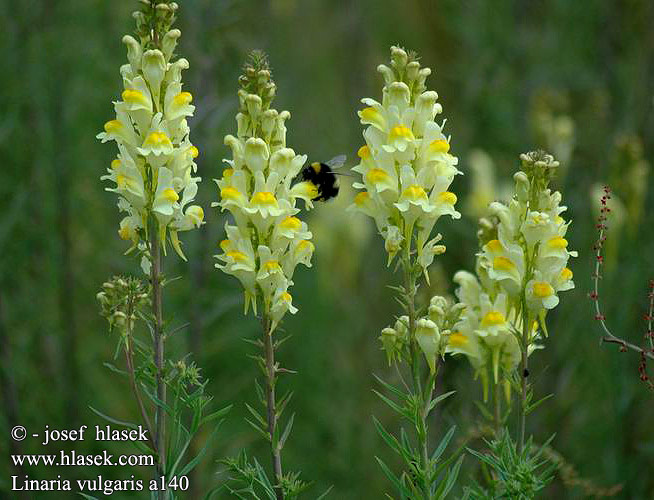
421 427
159 359
271 376
524 374
129 357
497 405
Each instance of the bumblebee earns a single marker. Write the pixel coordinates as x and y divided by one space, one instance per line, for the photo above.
322 175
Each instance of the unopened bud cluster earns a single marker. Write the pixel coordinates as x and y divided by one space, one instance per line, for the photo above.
121 299
430 332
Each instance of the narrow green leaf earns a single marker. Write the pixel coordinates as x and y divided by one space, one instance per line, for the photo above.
438 399
257 416
216 415
443 444
393 405
114 368
325 493
395 480
450 479
281 405
191 464
391 440
535 405
287 431
391 388
263 432
129 425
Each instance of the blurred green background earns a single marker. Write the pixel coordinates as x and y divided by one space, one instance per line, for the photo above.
573 77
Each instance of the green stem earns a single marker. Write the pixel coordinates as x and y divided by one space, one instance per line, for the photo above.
421 424
524 373
497 403
159 359
271 376
129 355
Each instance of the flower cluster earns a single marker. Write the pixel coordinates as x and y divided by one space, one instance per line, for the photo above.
430 331
153 172
406 166
521 268
266 241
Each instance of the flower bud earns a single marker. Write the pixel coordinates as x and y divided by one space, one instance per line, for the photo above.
389 342
428 338
393 244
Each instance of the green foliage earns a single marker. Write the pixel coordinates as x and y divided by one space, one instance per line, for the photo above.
513 474
58 241
249 480
187 408
435 476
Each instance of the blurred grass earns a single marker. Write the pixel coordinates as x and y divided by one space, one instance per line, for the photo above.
58 227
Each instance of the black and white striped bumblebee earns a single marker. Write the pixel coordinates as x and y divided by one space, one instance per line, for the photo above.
322 175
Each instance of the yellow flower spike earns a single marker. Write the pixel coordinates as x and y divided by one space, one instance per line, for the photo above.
493 318
439 146
113 127
376 175
494 246
271 265
542 289
292 223
193 151
286 297
558 243
361 198
401 132
237 256
305 245
134 97
414 192
264 198
157 139
457 339
364 152
447 197
224 245
121 181
170 195
370 114
502 263
197 213
124 233
566 274
182 99
230 193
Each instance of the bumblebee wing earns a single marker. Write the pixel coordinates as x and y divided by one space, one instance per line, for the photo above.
337 161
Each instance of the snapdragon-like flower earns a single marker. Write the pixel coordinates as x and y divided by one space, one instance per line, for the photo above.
521 269
153 171
405 165
266 240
